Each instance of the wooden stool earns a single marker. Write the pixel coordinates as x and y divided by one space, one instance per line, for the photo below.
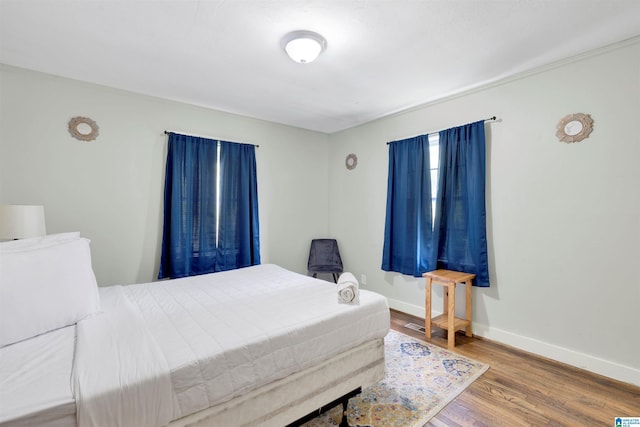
448 320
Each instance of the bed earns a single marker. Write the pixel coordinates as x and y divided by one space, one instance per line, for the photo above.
255 346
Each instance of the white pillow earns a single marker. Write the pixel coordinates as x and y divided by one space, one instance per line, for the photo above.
35 242
43 288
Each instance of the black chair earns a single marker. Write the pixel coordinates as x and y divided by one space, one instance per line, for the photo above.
324 257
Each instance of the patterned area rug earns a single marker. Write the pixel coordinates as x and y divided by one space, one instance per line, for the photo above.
420 380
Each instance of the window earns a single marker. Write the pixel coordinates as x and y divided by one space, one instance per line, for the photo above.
210 207
434 161
425 230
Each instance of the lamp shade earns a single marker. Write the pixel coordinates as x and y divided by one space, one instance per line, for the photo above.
21 221
303 46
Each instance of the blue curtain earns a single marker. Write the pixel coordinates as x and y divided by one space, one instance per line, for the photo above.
191 244
408 226
238 240
460 219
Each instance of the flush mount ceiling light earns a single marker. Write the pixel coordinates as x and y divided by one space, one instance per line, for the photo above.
303 46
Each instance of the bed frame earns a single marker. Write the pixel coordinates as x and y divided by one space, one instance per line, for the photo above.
344 401
288 400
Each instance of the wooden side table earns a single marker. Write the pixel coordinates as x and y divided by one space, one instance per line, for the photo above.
447 320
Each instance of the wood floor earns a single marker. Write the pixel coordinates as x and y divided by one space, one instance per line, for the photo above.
522 389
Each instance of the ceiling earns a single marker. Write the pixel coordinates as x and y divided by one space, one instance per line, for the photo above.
382 56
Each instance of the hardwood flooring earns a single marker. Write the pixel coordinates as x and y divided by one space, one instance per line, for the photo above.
523 389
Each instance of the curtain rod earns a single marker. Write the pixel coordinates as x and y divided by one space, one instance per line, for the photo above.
438 131
167 132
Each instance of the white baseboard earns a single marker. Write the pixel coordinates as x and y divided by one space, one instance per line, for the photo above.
570 357
402 306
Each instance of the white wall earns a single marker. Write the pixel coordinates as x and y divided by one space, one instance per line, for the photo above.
563 219
111 189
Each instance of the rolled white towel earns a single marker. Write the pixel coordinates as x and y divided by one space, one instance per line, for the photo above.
348 289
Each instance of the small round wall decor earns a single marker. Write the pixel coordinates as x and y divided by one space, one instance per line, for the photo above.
574 127
83 128
351 161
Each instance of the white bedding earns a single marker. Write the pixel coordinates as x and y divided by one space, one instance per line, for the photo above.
120 377
249 327
35 381
212 338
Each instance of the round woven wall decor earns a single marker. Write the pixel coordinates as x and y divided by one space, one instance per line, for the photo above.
83 128
574 128
351 161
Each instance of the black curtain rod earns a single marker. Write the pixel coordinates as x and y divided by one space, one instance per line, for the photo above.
167 132
438 131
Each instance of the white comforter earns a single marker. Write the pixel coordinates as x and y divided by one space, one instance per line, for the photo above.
214 337
120 377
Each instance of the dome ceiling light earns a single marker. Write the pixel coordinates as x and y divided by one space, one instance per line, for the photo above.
303 46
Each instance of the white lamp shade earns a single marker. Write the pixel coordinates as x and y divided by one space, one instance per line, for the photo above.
21 221
304 46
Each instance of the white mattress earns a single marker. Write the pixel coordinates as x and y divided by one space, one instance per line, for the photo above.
220 336
226 333
35 381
